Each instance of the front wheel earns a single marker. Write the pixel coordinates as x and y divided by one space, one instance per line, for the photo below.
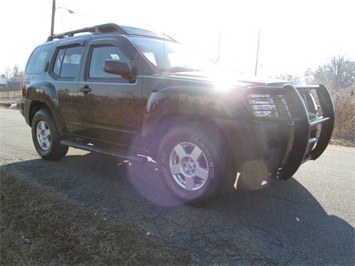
45 136
191 163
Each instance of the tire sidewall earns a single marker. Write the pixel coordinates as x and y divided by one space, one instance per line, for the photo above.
194 136
43 115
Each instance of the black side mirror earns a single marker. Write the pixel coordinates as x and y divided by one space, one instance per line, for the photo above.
122 68
117 67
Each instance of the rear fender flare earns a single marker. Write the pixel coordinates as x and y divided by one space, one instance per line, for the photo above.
44 93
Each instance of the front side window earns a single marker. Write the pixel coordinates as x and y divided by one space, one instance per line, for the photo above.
67 61
99 55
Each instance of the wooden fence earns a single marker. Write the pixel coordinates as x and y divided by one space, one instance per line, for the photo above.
10 96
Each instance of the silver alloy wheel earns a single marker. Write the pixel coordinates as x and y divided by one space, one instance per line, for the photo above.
43 134
189 166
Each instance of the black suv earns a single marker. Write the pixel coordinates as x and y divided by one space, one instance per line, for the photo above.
136 94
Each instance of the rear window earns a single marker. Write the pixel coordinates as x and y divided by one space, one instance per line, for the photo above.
38 60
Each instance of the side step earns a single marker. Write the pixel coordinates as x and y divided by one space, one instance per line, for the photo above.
92 148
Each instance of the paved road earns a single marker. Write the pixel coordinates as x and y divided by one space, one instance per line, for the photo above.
307 220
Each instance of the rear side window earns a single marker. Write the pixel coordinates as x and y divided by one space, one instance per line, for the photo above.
38 60
67 61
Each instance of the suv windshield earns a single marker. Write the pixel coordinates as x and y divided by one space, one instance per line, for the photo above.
170 56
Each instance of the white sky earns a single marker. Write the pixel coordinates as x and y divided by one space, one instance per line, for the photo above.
295 34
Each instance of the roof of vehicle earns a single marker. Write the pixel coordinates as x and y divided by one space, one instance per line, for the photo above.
111 28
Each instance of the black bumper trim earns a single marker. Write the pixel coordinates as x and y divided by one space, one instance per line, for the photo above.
302 144
302 148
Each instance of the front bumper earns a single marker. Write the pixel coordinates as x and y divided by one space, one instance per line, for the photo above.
283 143
309 137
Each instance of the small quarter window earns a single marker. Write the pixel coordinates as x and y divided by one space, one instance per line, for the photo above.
38 60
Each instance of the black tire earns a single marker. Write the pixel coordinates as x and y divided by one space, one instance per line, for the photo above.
191 164
45 136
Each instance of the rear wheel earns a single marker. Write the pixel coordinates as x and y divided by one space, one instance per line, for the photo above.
191 163
45 136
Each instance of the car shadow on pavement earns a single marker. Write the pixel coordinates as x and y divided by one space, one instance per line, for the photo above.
280 224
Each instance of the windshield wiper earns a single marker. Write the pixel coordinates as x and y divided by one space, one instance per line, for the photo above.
176 69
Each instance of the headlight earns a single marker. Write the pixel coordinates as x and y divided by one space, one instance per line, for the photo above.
262 105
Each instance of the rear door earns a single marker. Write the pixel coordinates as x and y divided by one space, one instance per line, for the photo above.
64 75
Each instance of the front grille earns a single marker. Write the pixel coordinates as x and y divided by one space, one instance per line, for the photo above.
268 105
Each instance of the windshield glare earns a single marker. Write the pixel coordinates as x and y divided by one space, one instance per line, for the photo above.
170 56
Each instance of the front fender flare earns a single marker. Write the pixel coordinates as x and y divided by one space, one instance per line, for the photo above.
173 101
178 104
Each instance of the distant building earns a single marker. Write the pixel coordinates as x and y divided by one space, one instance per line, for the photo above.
7 85
3 82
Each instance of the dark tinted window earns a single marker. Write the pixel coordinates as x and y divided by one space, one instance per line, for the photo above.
67 61
38 60
98 57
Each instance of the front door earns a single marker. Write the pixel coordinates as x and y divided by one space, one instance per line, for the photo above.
111 108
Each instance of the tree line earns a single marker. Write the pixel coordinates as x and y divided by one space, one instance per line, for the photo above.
14 74
338 74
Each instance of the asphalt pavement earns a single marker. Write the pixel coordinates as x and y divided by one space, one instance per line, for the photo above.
307 220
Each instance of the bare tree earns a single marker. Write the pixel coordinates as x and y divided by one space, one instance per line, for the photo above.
288 77
13 75
308 76
338 74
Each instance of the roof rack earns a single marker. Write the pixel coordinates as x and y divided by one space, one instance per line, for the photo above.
111 28
98 29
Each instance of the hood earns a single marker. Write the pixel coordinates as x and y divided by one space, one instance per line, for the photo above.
233 79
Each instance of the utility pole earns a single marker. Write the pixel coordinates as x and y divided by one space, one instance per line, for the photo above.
54 8
257 55
219 47
53 17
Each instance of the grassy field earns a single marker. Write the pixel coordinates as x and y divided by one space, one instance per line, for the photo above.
39 228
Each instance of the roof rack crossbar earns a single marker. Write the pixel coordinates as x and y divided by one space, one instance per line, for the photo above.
99 29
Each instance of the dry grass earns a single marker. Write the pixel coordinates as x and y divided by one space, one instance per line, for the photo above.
344 130
38 228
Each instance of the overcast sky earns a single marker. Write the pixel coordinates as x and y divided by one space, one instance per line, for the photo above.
295 34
